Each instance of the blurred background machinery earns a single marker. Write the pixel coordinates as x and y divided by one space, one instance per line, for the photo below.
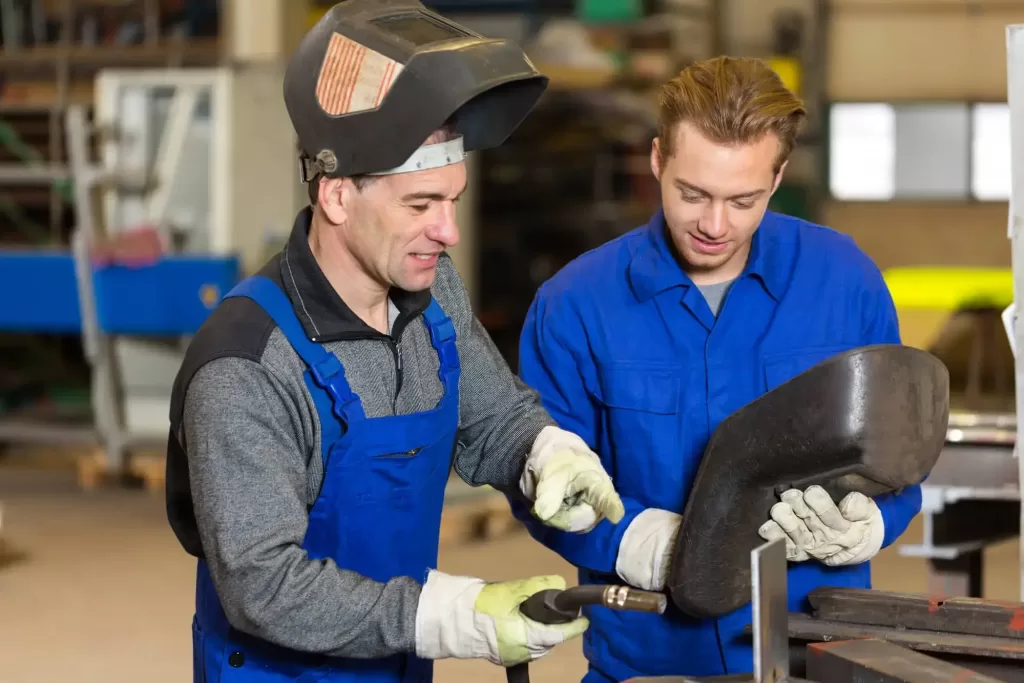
177 91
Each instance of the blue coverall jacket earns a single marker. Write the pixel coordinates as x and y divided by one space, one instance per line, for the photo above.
625 352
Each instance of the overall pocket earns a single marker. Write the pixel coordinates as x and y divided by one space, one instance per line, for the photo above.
644 427
387 475
381 515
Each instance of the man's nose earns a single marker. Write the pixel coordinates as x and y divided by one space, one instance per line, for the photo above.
714 223
446 230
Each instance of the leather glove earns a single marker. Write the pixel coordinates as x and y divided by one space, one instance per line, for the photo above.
645 553
814 526
465 618
569 488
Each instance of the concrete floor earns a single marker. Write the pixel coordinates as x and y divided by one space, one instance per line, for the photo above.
94 587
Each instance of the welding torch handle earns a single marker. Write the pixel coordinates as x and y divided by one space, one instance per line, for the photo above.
561 607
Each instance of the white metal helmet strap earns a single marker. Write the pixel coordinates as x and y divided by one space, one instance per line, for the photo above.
424 158
430 156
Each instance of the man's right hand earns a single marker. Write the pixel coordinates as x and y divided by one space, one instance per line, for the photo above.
465 618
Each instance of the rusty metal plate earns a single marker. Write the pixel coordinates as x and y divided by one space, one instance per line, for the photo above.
876 661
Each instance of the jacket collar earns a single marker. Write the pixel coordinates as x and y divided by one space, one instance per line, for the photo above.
654 267
324 315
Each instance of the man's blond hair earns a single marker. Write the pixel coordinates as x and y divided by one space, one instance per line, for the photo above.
730 101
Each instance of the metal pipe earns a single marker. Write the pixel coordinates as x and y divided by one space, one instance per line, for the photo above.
32 174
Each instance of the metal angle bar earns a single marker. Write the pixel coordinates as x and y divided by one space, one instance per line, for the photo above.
910 611
942 552
770 612
32 174
876 661
804 627
97 346
26 431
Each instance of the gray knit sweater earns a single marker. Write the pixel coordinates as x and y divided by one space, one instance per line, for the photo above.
244 454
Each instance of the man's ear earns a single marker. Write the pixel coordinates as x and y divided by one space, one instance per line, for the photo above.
778 176
656 158
334 198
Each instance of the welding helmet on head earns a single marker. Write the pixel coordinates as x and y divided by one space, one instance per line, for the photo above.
373 79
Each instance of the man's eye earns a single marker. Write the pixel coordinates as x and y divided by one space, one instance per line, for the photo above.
743 205
692 198
419 208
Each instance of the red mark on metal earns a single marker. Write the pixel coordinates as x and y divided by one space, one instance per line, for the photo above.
819 648
1017 620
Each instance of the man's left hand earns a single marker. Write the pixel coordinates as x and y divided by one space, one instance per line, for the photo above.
814 526
569 488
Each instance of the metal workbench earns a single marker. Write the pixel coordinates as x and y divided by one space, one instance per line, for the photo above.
970 500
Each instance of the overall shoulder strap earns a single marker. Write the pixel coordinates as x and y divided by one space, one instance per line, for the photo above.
442 335
326 368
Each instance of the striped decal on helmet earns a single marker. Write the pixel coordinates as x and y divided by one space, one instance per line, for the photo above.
353 78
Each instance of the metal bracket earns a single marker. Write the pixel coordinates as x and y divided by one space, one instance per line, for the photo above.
771 612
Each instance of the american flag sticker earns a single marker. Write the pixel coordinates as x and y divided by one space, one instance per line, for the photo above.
353 78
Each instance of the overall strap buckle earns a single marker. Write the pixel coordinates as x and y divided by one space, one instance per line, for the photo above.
324 366
443 336
329 374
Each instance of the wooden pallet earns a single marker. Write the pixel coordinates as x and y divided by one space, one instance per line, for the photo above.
484 518
147 468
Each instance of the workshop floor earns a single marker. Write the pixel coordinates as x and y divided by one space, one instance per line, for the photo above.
94 589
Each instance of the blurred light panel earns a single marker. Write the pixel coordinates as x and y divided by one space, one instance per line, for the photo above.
933 149
862 151
990 152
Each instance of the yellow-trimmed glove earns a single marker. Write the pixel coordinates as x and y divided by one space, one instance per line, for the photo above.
569 488
465 618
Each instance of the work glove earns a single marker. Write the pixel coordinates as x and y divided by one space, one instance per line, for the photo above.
814 527
645 553
568 486
465 618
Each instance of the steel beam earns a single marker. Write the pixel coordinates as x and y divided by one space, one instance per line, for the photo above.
876 661
968 616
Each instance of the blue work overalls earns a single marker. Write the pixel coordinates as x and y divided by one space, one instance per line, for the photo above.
378 512
625 352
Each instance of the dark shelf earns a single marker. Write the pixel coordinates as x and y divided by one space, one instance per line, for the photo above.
196 52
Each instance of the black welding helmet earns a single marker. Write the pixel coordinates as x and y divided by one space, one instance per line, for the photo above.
373 79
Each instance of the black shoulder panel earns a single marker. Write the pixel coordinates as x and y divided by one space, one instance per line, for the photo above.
238 328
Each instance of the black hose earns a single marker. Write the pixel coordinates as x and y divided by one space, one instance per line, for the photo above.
561 607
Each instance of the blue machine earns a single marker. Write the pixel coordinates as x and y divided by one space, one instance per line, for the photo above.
169 298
